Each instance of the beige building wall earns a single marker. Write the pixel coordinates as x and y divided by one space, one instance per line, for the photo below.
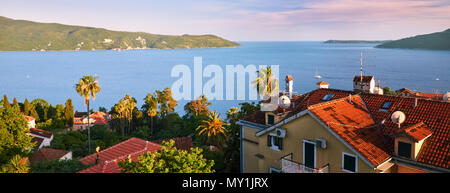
303 128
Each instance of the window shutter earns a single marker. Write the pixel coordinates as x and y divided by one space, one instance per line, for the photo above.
269 140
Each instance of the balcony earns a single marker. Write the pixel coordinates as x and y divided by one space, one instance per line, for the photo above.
290 166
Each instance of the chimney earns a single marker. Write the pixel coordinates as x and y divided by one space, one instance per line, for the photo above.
415 102
289 85
350 99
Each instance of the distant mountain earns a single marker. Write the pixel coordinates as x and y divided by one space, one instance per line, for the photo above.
433 41
355 41
21 35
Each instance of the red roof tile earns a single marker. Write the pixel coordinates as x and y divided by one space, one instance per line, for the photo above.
110 157
40 132
435 116
364 78
354 124
183 143
417 132
48 154
29 118
322 83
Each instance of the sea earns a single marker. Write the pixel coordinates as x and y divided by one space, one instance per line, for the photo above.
51 75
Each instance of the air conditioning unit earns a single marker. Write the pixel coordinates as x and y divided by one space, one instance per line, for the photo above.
280 132
322 143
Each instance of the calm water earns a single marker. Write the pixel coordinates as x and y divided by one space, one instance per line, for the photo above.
52 75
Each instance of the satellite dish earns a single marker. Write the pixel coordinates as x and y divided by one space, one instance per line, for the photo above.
446 97
398 117
285 102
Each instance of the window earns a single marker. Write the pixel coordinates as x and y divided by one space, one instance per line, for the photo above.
309 154
274 142
349 162
327 97
385 106
273 170
270 119
404 149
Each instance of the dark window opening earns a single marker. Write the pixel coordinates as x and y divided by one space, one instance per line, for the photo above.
404 149
270 119
350 163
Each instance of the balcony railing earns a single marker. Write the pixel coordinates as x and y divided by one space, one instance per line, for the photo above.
290 166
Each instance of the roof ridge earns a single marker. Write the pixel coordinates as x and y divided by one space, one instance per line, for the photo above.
123 142
333 102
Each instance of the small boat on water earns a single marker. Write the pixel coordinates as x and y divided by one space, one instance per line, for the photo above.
317 75
437 79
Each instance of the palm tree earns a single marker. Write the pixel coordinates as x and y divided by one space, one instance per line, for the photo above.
213 129
151 105
130 104
88 86
232 114
266 84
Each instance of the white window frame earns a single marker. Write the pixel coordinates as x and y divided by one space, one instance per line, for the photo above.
356 162
315 151
272 145
271 170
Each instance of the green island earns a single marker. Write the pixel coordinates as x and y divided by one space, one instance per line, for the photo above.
433 41
355 41
22 35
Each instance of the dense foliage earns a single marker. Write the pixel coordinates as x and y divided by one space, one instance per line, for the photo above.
433 41
15 143
20 35
58 166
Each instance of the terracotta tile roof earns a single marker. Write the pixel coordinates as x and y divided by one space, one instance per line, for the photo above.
322 83
29 118
289 77
301 102
404 90
434 114
110 157
48 154
354 124
364 79
417 132
183 143
40 132
435 96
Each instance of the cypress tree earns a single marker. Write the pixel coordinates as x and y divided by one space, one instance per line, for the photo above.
68 113
6 102
15 102
26 107
34 113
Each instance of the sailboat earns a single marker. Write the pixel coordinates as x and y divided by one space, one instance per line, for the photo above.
317 75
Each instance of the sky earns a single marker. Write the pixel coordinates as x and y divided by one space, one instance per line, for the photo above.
246 20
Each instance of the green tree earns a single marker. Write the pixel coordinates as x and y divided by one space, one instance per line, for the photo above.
150 108
266 84
15 143
169 160
68 113
26 107
86 87
198 107
166 102
213 129
5 102
15 103
58 166
388 91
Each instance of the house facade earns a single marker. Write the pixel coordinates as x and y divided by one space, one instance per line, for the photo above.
337 131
